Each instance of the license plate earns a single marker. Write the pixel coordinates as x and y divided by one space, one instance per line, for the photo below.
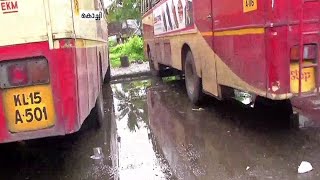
29 108
307 78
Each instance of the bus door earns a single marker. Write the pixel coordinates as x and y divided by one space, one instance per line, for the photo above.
204 19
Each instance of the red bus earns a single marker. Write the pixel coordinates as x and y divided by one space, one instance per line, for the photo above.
268 49
52 65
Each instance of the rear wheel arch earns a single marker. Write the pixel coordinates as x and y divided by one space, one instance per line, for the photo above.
154 66
148 49
107 76
149 53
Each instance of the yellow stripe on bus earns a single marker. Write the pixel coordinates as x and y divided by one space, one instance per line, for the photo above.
84 43
207 33
238 32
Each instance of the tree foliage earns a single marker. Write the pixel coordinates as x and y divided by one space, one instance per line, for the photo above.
122 10
133 48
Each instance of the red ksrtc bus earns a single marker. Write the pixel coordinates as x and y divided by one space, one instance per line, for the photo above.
266 48
52 65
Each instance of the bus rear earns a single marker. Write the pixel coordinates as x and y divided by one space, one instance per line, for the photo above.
39 70
292 32
267 49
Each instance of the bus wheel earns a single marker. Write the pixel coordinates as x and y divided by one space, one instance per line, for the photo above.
107 77
154 72
98 110
192 81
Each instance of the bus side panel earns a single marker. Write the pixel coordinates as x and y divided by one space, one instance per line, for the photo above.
278 60
18 26
245 56
90 29
61 20
83 84
147 22
208 60
88 77
230 14
92 35
93 78
102 35
64 69
239 41
4 136
104 55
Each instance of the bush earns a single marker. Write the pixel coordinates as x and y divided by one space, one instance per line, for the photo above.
112 43
133 48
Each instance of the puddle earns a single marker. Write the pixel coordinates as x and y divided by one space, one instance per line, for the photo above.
138 158
225 139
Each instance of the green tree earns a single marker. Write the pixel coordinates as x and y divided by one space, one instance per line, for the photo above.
122 10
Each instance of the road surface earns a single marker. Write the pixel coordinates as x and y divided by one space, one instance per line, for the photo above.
151 131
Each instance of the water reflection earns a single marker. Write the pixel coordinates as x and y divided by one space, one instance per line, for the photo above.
138 159
226 141
131 102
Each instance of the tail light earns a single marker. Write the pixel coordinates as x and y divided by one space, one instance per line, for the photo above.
18 74
309 52
39 71
24 72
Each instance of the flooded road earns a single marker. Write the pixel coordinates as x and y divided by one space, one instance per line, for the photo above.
227 140
138 157
221 140
151 131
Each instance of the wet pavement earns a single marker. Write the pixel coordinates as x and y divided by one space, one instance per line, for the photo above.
151 131
227 140
66 157
135 69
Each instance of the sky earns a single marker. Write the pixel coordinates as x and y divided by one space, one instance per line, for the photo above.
107 2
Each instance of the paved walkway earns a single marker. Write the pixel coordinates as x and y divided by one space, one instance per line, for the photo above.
133 70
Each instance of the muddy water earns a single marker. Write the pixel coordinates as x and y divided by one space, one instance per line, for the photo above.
172 139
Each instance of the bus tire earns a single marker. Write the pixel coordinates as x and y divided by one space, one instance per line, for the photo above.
107 77
192 81
98 111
